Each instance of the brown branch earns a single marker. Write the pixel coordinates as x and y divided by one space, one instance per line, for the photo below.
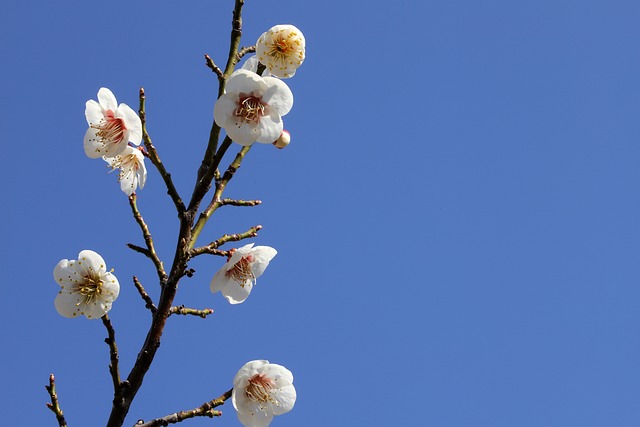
140 249
221 184
184 311
212 155
213 67
129 388
232 202
155 159
151 253
145 296
55 405
244 50
212 248
204 410
113 352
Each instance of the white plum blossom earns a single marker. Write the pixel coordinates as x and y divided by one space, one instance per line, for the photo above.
281 50
238 276
133 173
111 126
252 107
87 287
262 390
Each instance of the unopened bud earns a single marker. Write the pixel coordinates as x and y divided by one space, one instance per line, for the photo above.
284 140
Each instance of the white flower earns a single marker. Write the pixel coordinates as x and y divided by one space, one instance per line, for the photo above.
281 50
262 390
252 107
87 287
111 126
132 173
238 276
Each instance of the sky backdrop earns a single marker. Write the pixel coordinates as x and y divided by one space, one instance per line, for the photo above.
456 218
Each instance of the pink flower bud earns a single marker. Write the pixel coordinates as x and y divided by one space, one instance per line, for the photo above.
284 140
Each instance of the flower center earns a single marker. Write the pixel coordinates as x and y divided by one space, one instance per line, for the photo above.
110 128
283 47
241 271
90 289
250 108
259 389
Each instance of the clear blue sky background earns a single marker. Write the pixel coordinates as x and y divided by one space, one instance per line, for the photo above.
457 217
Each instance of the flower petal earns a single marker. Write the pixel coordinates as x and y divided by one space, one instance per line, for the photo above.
278 95
224 108
243 133
235 293
110 287
64 272
255 419
132 122
262 255
107 99
219 280
245 81
67 304
90 262
247 371
93 146
286 397
270 128
93 112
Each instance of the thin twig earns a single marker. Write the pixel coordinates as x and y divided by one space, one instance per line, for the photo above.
155 159
212 248
145 296
55 405
113 352
233 202
204 410
221 184
213 67
148 239
140 249
182 310
244 50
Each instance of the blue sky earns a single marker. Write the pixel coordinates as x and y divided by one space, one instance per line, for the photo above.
456 216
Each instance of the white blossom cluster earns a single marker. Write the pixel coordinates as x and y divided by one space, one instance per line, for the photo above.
252 107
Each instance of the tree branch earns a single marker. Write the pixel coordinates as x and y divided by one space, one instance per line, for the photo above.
145 296
232 202
55 405
212 155
212 248
213 67
204 410
182 310
113 352
246 49
221 184
151 253
155 159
